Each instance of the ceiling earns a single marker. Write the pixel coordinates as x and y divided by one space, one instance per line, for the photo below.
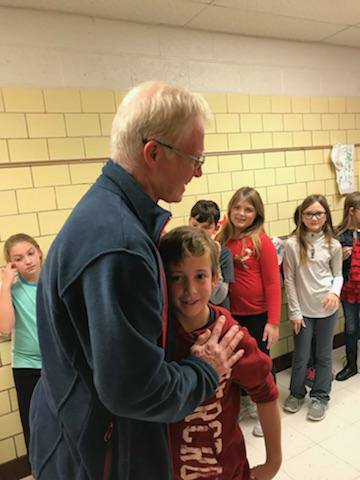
334 22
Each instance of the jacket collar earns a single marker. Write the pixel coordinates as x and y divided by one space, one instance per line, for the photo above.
150 214
314 237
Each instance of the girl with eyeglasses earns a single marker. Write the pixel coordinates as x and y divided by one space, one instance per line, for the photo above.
349 236
313 281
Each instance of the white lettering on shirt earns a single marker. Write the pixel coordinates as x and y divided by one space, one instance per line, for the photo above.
204 461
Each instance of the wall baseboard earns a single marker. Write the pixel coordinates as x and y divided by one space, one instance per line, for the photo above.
15 469
284 361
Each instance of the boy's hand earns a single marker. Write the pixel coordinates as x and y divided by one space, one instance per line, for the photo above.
267 471
346 251
9 275
330 301
220 354
271 334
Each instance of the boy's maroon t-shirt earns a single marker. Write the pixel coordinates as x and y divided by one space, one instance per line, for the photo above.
208 443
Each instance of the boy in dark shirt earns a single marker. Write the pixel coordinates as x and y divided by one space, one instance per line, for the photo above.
208 443
205 214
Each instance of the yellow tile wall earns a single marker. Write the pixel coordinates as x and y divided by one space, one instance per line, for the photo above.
17 99
50 125
42 125
62 100
28 150
10 425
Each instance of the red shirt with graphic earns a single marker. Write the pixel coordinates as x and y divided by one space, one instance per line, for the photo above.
351 290
208 443
256 288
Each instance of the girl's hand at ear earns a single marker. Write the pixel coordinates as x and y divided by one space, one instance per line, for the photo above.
330 302
9 275
271 334
297 324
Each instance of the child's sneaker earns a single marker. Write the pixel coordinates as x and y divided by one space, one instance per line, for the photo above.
293 404
257 430
247 408
244 407
317 410
252 410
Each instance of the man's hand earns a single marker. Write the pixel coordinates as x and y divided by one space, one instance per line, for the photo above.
221 354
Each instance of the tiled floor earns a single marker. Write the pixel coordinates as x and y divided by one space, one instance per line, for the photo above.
326 450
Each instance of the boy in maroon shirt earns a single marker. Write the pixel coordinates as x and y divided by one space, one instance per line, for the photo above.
208 444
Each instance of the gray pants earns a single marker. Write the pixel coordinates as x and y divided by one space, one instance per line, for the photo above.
323 330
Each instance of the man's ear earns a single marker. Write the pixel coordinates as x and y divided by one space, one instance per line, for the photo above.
150 152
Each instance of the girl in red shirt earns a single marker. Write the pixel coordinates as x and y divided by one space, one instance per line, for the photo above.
255 295
349 236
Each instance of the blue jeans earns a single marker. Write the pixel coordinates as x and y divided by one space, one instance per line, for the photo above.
323 329
352 327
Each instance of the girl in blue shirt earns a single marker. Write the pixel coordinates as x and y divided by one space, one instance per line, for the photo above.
18 317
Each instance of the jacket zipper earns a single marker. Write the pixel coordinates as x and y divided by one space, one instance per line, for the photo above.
108 452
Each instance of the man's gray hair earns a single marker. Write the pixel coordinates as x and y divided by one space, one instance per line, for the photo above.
154 110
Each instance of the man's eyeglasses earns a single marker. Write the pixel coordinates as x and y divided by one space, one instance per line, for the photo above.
198 161
317 215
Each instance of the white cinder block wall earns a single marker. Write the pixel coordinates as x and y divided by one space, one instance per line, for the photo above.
54 49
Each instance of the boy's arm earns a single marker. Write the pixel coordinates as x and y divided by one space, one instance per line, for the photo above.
253 371
269 417
227 265
219 292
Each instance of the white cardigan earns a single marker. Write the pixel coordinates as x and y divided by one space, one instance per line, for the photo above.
306 285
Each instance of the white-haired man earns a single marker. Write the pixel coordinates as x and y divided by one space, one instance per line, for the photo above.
106 393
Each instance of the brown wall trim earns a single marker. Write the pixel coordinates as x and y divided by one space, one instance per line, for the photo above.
16 469
207 154
284 361
271 150
52 162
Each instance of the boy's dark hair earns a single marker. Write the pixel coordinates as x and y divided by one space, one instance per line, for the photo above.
206 211
183 242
